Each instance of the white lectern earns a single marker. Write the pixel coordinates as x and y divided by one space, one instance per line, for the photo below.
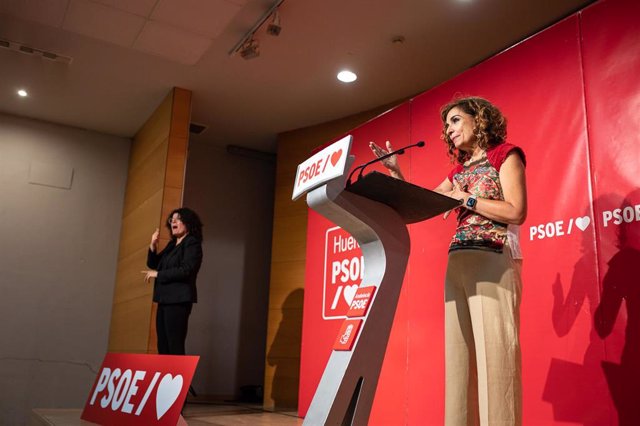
375 211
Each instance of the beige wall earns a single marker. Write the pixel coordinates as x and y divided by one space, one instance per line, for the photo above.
57 260
155 183
288 257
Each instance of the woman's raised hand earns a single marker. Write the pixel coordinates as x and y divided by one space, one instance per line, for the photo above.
390 163
154 240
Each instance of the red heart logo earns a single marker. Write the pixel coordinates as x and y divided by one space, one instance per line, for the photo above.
335 157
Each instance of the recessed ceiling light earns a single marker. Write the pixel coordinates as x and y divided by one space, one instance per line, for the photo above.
347 76
22 93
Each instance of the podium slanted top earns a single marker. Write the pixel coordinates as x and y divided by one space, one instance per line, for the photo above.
413 203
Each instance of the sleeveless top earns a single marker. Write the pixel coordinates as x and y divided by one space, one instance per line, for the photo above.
482 178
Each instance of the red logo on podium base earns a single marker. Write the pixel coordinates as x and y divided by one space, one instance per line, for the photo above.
347 335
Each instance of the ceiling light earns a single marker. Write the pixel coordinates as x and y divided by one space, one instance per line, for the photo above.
250 49
347 76
22 93
274 27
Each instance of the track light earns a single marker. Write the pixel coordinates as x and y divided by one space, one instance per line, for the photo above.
274 27
247 39
250 49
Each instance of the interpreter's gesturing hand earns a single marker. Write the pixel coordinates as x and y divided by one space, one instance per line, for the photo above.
154 240
148 274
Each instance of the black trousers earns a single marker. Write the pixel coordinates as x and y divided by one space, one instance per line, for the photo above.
172 321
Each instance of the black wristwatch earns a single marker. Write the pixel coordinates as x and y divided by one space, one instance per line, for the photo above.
471 202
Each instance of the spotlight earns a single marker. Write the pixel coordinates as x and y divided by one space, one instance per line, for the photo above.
250 49
274 27
247 47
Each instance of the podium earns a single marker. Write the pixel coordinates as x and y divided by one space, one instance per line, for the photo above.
375 210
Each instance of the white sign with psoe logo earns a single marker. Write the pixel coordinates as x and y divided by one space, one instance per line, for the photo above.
140 389
322 167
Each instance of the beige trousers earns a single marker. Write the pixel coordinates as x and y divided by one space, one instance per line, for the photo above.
482 349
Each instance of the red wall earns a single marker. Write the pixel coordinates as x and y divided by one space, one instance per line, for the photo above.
572 97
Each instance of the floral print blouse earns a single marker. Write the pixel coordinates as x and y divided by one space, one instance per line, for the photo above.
481 178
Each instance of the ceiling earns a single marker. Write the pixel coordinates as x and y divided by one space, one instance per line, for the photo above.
125 56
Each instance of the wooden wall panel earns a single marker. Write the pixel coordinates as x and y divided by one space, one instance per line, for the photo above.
153 133
175 162
137 226
130 325
181 113
128 273
281 284
154 187
146 180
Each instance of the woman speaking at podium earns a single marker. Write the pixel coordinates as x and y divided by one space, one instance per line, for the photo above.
175 270
482 283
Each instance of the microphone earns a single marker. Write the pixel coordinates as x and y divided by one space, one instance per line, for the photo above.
382 157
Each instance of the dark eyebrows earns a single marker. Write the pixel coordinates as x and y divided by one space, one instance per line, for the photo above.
452 117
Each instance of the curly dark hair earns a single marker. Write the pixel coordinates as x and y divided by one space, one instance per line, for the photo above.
490 129
190 220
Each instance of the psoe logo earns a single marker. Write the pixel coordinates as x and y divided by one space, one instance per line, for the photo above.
139 389
558 228
118 387
322 167
626 214
343 272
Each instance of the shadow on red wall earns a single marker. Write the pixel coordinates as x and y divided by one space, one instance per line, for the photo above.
621 283
578 392
592 392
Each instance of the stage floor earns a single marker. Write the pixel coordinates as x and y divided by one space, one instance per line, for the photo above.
200 414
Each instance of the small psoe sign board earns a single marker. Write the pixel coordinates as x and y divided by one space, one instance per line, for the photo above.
140 389
323 166
361 302
347 335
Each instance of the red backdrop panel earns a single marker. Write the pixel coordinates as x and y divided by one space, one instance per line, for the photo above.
571 94
611 56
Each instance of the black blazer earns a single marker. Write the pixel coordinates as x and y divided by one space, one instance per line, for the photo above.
177 268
